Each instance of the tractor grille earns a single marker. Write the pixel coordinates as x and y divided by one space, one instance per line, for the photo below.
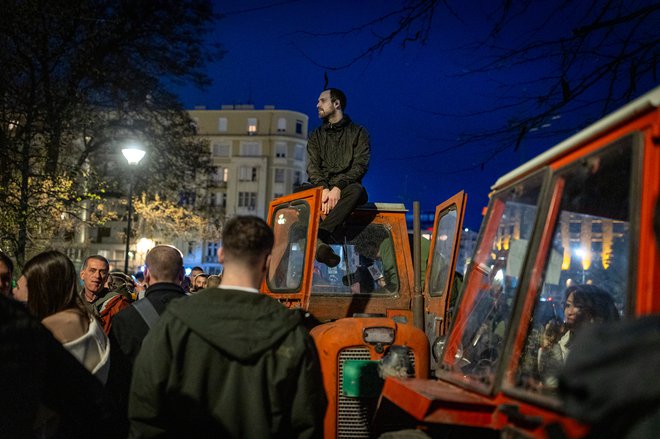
354 415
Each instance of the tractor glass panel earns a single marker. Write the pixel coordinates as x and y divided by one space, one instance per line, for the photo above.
367 266
476 341
442 252
290 223
586 267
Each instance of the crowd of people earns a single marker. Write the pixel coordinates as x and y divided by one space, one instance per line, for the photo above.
171 355
215 358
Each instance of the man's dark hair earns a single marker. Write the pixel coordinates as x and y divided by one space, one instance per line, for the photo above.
338 95
4 258
98 258
196 267
247 238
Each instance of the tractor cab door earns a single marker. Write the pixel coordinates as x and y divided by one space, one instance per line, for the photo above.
295 222
439 296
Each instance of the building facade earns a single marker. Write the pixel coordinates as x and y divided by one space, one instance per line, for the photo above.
256 155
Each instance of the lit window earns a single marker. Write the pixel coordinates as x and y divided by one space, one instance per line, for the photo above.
252 125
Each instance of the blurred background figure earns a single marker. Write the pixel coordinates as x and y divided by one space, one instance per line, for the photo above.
194 272
199 282
123 284
140 285
213 281
584 305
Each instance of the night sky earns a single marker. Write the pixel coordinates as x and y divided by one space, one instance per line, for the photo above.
415 101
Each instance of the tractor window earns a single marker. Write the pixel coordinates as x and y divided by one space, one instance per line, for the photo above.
442 253
290 223
368 264
476 342
586 267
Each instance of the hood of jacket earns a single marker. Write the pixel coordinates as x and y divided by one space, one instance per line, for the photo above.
243 325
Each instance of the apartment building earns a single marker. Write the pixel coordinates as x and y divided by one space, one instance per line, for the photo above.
256 154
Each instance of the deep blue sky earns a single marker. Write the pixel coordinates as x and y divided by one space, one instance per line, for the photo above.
394 93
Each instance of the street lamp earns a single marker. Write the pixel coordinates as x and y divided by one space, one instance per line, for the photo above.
583 255
133 153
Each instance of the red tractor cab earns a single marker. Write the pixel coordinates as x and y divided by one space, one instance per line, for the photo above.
578 215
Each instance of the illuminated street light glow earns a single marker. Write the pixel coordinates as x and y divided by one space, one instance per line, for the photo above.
133 153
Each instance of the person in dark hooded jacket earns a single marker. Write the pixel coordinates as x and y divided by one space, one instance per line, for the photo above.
229 362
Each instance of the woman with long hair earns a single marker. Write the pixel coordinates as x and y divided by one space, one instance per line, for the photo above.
50 282
584 304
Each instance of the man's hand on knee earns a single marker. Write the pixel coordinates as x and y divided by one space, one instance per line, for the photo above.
330 199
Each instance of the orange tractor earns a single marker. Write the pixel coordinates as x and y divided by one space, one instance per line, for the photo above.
366 303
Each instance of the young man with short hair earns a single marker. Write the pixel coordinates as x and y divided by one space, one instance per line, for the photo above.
229 361
339 153
163 276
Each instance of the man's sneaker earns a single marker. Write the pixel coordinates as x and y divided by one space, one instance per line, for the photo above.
325 254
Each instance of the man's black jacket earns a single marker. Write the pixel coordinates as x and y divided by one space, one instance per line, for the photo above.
126 335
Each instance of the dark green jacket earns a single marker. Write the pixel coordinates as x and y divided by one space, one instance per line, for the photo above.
338 154
226 363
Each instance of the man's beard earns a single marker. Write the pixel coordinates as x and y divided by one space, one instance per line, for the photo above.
325 115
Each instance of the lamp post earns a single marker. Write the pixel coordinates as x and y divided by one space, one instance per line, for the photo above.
133 153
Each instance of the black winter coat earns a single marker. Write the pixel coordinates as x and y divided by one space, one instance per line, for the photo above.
338 154
227 363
